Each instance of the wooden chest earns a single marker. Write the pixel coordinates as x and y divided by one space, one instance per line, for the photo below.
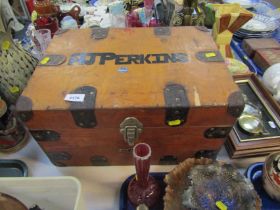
168 87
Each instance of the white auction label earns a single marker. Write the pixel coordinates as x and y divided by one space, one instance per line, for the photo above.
75 97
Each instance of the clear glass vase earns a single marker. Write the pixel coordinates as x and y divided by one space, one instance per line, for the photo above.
143 188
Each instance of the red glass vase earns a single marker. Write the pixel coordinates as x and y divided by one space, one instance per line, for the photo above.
143 188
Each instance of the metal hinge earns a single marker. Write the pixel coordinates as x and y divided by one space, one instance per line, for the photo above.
168 160
52 60
177 104
83 113
131 128
210 56
217 132
45 135
57 157
162 31
236 104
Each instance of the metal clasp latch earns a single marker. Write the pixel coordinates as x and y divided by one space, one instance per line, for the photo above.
131 128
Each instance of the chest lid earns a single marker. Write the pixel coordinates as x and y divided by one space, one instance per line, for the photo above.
132 69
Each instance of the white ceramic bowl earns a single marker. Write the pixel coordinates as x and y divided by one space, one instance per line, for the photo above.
271 80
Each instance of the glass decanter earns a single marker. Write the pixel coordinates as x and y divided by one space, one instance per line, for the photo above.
143 188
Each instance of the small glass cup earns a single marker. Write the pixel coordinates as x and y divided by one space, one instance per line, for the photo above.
42 38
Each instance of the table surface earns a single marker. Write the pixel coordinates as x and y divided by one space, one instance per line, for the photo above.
100 185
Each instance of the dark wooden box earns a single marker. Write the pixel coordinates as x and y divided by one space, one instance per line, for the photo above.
172 80
267 57
250 46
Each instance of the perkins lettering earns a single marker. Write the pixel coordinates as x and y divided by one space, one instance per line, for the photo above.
103 58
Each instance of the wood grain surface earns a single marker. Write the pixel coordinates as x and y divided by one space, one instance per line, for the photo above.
142 85
138 92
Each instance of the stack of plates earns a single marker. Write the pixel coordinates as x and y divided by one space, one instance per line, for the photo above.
259 26
243 3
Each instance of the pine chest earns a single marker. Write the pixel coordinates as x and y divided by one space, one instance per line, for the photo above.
97 92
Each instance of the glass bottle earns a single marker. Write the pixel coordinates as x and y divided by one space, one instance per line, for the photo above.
143 188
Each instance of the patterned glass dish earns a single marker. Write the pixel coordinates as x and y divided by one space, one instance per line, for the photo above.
211 186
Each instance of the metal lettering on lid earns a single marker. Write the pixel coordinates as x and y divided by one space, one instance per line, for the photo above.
131 128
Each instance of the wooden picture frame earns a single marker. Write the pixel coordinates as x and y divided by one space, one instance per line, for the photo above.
257 146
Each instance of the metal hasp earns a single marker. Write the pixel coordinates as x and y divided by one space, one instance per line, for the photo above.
83 113
177 105
131 128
